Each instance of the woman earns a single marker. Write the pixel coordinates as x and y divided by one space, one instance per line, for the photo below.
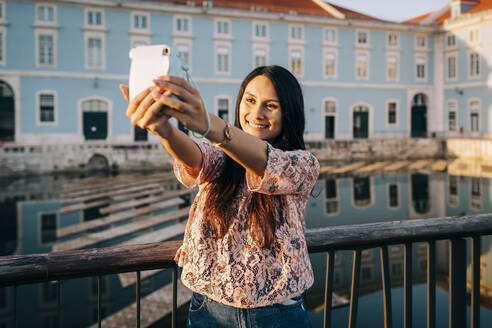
244 252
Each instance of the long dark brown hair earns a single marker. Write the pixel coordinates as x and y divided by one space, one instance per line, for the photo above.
262 208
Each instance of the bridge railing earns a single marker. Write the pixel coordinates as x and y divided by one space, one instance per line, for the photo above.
58 266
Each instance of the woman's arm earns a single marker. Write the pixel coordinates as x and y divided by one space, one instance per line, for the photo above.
244 148
145 113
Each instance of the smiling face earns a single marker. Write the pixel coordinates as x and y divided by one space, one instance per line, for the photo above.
259 112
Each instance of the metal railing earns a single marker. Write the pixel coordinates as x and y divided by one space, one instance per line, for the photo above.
26 269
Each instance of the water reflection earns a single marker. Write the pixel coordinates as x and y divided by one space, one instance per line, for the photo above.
30 216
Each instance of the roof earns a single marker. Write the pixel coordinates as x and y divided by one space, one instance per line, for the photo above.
480 5
301 7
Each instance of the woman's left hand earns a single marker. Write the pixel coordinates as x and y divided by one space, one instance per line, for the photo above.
188 108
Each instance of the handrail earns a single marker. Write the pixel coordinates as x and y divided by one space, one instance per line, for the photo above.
25 269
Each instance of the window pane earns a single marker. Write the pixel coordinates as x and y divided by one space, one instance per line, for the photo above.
95 52
45 49
330 188
48 228
393 195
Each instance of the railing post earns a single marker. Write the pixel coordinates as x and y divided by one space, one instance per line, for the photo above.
457 283
330 260
431 284
407 288
175 296
476 248
99 300
388 316
15 306
354 293
138 298
58 305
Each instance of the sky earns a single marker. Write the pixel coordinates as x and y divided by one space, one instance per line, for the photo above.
394 10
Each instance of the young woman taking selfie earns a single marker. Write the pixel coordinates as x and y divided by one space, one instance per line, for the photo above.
244 252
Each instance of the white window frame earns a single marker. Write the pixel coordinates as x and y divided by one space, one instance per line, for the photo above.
299 49
38 107
397 184
417 45
474 36
46 5
332 199
260 47
388 101
2 11
54 34
217 22
368 38
455 110
455 9
295 26
267 31
397 35
228 46
473 110
417 78
326 53
144 40
446 39
139 29
335 32
371 190
185 43
470 75
324 114
91 35
175 25
3 48
453 200
396 56
230 111
101 26
368 61
448 56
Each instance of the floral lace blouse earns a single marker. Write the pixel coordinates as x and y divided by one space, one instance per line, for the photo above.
233 270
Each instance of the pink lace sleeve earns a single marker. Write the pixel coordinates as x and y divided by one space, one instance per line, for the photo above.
213 158
287 172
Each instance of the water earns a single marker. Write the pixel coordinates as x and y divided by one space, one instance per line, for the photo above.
29 214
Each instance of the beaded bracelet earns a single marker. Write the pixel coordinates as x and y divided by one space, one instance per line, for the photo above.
200 136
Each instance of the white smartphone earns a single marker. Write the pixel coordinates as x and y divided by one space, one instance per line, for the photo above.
150 62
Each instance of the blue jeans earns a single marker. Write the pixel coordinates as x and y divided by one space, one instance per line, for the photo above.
205 312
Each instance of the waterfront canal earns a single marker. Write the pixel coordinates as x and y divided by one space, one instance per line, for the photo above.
30 211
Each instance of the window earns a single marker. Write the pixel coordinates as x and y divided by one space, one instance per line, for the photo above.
420 67
137 41
474 115
259 57
184 54
140 21
94 18
330 111
182 25
474 65
455 9
393 198
222 59
392 108
331 198
362 38
2 11
296 32
296 62
260 30
46 108
223 28
361 191
95 52
46 51
393 39
362 66
392 68
453 191
473 36
452 109
476 193
421 41
223 108
450 41
48 228
330 64
330 35
451 67
45 14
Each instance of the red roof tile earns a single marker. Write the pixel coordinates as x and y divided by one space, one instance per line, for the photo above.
301 7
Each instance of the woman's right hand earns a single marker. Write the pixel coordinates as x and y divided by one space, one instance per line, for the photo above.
146 113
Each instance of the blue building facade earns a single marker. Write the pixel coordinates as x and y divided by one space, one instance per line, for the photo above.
363 78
